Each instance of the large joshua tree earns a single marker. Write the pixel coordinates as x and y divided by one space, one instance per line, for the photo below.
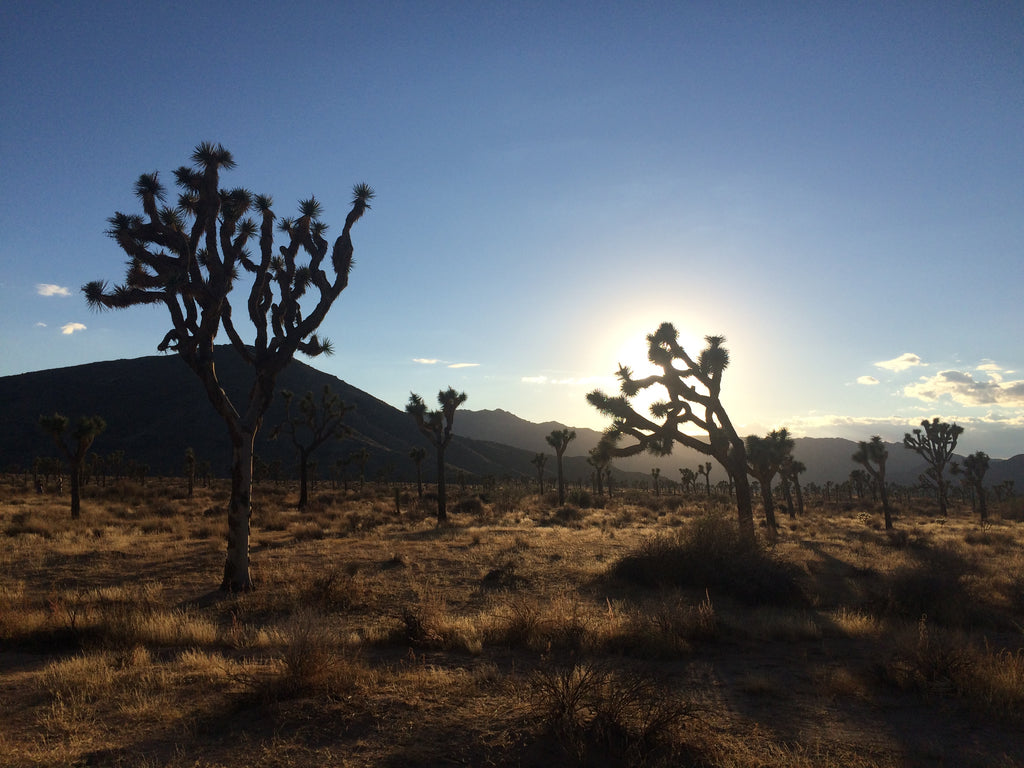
873 456
437 425
935 442
83 434
559 439
191 256
317 421
693 389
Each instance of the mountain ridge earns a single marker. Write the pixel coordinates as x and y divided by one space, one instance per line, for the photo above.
156 408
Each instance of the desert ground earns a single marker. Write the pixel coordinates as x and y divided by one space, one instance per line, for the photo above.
633 631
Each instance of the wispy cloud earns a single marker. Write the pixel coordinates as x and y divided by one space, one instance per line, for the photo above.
426 360
869 381
569 381
901 363
962 388
49 289
40 325
68 328
464 365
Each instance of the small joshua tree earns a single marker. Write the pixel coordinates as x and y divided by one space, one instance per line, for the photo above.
314 424
83 434
935 442
873 456
559 439
437 425
418 454
190 257
765 456
600 459
693 389
974 469
539 460
705 470
190 470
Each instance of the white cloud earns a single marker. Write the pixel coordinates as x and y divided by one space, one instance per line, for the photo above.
534 379
901 363
608 382
464 365
988 367
40 325
963 389
869 381
49 289
426 360
68 328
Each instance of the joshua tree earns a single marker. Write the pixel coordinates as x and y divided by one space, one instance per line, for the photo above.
559 439
190 470
765 456
974 469
705 470
872 456
858 479
418 454
790 473
82 436
362 458
935 442
693 392
314 424
437 425
539 460
656 476
599 458
688 478
189 258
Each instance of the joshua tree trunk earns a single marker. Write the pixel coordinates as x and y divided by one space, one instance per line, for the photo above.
442 506
236 565
76 492
303 479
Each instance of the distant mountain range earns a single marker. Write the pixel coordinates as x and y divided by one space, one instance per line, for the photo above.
155 408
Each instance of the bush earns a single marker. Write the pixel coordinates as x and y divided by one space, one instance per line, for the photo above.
711 554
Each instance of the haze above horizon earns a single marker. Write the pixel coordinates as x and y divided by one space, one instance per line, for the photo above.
836 190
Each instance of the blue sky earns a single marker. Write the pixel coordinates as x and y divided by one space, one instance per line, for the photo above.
837 188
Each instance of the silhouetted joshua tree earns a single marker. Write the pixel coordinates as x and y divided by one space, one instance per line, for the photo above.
974 469
599 458
190 257
873 456
559 439
688 479
82 436
656 477
418 454
190 470
764 457
790 471
695 385
935 443
705 470
314 424
437 425
540 460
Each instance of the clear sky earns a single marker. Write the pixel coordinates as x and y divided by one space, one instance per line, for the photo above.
837 188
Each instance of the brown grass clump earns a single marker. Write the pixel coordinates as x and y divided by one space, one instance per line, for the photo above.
635 631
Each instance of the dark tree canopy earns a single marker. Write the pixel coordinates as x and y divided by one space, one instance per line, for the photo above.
935 442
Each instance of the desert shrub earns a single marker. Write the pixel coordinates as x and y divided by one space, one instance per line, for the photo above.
711 554
569 516
472 505
580 497
601 717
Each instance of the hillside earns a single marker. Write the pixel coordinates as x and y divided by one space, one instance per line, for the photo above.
155 408
826 458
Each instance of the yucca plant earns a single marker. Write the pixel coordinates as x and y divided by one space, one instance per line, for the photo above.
190 258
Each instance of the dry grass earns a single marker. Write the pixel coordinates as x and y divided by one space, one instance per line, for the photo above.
637 631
